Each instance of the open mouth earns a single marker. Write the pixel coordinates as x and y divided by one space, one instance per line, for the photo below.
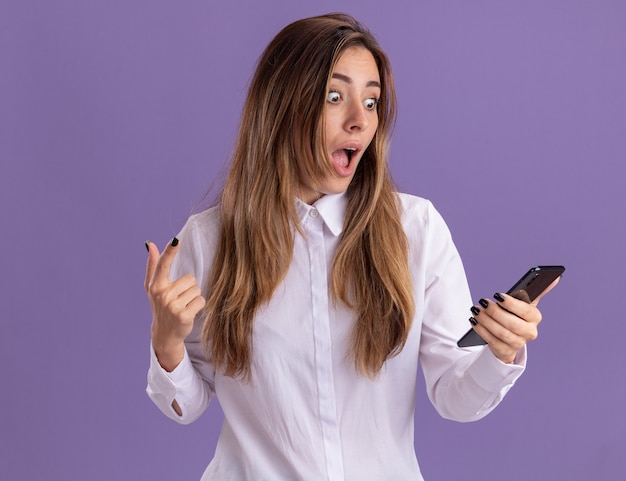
343 157
349 153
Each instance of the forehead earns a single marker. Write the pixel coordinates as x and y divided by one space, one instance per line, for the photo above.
357 61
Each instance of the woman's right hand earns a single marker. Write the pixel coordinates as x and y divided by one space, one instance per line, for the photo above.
174 305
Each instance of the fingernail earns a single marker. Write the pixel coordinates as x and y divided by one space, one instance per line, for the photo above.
148 246
498 297
473 321
475 310
174 242
483 303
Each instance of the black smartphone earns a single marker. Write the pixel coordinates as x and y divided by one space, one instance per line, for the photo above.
527 289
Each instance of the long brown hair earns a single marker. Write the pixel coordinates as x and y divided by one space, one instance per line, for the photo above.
282 120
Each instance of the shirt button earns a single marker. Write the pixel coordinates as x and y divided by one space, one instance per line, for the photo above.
313 213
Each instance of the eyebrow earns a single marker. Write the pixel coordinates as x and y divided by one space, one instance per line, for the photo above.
345 78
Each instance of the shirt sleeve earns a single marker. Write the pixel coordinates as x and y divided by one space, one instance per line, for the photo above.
183 384
192 382
464 384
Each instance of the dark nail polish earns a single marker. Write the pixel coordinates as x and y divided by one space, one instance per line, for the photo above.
473 321
483 303
498 297
148 246
475 310
174 242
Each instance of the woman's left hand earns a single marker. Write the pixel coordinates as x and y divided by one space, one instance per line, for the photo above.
509 324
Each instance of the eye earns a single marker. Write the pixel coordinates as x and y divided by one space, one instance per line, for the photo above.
371 104
333 97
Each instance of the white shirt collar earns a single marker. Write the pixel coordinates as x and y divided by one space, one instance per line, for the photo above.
331 207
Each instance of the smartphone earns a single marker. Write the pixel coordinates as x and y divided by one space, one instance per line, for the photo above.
527 289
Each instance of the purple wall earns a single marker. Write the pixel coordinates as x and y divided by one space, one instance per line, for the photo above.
116 116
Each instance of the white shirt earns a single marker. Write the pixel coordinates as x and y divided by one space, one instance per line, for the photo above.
307 414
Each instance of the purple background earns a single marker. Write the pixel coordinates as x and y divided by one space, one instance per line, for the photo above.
115 118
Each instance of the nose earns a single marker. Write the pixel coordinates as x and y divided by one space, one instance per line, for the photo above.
356 118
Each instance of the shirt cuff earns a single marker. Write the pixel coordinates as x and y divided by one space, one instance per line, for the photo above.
163 386
493 375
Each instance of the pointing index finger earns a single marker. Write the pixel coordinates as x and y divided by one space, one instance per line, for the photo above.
162 270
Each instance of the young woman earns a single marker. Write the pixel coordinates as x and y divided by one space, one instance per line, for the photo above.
306 299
